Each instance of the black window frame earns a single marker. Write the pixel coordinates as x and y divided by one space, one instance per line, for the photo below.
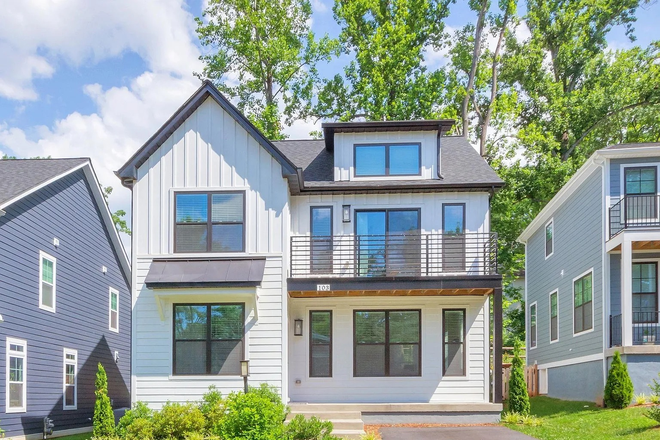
550 242
445 344
323 241
654 317
640 168
533 325
554 320
208 337
387 146
311 344
209 222
577 331
387 342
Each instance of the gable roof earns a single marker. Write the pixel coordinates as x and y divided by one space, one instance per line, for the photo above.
22 177
462 168
128 171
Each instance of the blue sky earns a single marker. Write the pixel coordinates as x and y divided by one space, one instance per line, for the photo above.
96 79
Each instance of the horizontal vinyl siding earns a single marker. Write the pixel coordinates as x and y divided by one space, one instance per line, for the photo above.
430 387
578 246
153 338
64 210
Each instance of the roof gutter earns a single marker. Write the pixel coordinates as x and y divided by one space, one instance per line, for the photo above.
2 213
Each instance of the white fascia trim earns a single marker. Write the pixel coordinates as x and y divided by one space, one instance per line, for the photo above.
573 361
647 151
556 291
583 274
536 330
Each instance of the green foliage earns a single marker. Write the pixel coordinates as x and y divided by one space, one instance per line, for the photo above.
654 399
640 399
269 45
619 387
300 428
653 413
513 418
175 420
118 215
104 418
518 400
213 409
655 386
252 416
140 412
140 429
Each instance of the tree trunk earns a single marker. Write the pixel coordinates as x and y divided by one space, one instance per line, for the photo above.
475 62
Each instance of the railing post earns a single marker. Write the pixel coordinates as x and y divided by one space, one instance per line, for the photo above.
427 254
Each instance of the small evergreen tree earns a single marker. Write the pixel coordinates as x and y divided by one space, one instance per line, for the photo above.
619 388
518 397
104 418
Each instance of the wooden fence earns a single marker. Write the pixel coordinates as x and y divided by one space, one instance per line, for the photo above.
531 379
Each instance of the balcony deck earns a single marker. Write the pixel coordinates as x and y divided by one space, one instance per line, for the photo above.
646 329
634 212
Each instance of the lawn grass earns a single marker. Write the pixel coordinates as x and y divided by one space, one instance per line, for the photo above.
85 436
585 421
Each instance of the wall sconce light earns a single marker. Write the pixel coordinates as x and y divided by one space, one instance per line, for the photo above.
346 213
297 327
245 372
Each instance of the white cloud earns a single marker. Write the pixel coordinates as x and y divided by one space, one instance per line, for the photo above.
319 6
300 129
36 35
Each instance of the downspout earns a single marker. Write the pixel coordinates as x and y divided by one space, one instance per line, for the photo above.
438 159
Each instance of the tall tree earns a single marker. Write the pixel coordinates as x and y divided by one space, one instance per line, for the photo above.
387 79
269 47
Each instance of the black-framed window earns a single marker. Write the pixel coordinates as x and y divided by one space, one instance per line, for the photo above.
554 317
583 303
532 326
645 292
209 339
209 221
320 343
453 342
549 238
321 243
388 160
640 180
386 343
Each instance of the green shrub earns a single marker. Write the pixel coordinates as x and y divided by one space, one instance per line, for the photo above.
104 418
140 411
300 428
252 416
654 399
175 420
619 387
653 413
213 408
267 391
518 398
140 429
369 436
655 387
512 418
640 399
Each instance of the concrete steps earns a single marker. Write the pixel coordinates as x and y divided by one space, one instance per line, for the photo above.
347 424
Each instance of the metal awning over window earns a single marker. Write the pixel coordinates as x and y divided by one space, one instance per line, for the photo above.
243 272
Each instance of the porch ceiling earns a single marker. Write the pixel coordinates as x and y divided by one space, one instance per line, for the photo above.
396 292
641 245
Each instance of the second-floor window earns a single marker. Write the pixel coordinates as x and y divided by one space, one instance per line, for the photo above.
583 303
549 238
387 160
532 325
640 187
47 282
209 222
645 292
114 310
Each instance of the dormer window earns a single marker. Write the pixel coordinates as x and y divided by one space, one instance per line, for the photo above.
387 160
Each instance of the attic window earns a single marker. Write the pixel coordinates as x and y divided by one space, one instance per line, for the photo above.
387 160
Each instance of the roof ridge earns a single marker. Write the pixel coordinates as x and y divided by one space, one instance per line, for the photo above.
49 158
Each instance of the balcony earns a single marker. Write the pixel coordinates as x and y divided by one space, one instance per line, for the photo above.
646 329
393 256
634 211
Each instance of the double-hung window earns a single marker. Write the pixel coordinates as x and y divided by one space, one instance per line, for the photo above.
114 310
209 222
320 343
387 160
16 390
208 339
549 238
387 343
70 379
583 303
554 319
645 292
47 272
532 325
453 339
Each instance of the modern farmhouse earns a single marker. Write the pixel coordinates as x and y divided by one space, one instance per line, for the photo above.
592 275
355 269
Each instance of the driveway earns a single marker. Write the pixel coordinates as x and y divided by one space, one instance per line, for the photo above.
458 433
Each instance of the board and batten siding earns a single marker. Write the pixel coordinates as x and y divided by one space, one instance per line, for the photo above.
65 210
344 152
210 151
578 247
615 173
431 386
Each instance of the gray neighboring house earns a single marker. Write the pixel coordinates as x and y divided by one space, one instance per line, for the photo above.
64 297
592 258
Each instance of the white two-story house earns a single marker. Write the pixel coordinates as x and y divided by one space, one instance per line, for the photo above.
359 268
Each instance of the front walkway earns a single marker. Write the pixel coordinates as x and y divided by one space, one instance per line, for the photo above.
457 433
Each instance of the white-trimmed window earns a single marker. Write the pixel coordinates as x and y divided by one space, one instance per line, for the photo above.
554 317
549 238
70 392
583 305
532 325
114 310
16 394
47 273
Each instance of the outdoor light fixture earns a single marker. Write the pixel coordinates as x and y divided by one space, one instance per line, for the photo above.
297 327
245 372
346 213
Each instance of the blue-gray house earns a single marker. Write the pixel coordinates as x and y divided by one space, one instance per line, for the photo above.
592 258
64 297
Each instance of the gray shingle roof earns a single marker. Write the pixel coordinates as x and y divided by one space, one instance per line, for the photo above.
18 176
462 166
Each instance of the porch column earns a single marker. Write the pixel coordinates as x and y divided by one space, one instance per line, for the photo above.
497 344
626 293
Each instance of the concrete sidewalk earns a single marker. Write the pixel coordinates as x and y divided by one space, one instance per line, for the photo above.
454 433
